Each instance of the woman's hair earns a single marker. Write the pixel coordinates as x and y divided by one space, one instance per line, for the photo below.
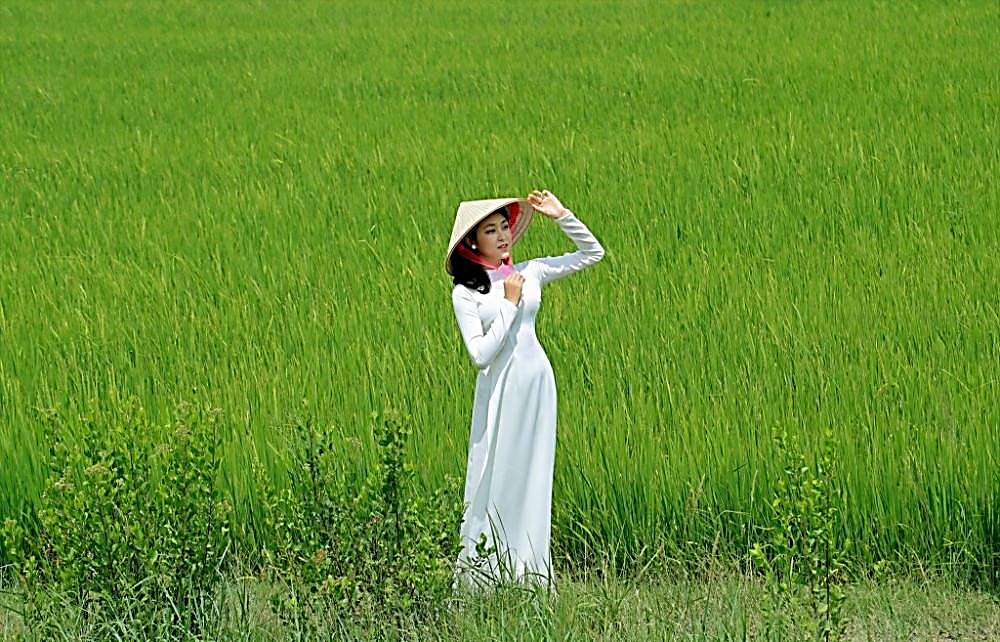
470 274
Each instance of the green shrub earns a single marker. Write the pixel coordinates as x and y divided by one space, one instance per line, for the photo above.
352 550
803 557
130 515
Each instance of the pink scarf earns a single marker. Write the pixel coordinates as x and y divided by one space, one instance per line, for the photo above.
505 268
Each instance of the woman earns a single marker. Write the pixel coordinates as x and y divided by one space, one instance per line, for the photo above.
508 484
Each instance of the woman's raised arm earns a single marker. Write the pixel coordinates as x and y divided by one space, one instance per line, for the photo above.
589 251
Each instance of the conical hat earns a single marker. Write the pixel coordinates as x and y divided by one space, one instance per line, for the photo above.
471 212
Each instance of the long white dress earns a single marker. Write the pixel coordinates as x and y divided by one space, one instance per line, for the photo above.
508 483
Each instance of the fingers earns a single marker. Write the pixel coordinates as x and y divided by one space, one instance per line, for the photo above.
546 202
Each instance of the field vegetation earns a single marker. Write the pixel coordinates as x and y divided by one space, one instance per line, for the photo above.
222 229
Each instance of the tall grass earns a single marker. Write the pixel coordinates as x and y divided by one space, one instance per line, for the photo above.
247 204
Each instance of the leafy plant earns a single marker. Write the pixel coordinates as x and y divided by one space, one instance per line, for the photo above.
352 550
803 557
130 515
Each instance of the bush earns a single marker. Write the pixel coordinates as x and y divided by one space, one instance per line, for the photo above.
347 551
131 529
804 557
130 514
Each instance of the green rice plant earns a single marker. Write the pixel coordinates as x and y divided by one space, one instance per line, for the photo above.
243 206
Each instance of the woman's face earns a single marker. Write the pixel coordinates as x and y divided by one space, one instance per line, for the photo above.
493 238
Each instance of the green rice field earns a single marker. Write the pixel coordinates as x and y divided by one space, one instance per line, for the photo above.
247 204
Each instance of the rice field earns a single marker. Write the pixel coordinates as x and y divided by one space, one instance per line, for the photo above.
247 204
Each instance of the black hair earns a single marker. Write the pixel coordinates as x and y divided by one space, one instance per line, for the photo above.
471 275
468 273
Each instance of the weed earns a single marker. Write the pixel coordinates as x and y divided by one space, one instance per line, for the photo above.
380 547
803 559
130 516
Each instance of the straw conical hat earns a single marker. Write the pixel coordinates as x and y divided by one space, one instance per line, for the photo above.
471 212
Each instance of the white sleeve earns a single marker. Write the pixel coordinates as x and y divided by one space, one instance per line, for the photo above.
482 346
589 251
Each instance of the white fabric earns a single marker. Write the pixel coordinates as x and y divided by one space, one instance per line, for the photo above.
508 484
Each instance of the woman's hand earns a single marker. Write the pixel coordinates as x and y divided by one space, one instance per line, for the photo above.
547 203
512 287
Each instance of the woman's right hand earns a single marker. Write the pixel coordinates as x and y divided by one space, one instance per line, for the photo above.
512 287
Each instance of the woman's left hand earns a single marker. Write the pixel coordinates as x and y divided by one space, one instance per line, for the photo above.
547 203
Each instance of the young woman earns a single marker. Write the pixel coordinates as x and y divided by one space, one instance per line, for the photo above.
508 484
